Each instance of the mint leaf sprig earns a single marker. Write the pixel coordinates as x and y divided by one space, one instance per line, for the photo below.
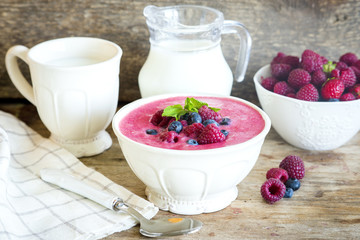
191 105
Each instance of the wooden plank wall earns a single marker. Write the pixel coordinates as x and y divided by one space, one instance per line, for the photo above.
330 27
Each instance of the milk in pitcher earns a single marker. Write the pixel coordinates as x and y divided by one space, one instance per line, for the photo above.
177 66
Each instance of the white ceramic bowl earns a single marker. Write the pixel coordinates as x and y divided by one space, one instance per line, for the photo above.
190 181
309 125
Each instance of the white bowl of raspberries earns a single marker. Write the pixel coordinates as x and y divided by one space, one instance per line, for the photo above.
313 103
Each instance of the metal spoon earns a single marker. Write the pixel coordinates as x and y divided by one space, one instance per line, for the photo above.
149 228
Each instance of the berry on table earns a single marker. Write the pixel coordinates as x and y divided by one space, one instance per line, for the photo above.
294 166
272 190
277 173
289 192
293 183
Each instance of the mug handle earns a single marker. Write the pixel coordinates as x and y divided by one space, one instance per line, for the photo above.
239 29
14 72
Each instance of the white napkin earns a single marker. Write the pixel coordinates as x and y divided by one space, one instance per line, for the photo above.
33 209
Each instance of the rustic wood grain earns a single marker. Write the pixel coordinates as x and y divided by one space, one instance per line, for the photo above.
330 27
327 206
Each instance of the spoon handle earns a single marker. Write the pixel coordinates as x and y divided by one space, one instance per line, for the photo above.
69 182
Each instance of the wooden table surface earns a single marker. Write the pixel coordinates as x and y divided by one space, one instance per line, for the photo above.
327 206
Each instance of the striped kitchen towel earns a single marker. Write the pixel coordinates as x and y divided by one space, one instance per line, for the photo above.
33 209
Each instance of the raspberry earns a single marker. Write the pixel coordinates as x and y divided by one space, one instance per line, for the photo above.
318 78
169 136
291 95
357 64
193 130
293 61
356 71
280 71
341 66
211 134
308 93
311 61
349 58
269 83
332 88
294 166
184 123
282 88
207 113
158 120
348 77
277 173
335 73
278 58
157 117
272 190
355 90
298 78
347 97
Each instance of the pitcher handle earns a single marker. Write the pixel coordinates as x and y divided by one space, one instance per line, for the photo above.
14 72
239 29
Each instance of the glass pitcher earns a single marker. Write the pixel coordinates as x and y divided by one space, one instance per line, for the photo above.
185 53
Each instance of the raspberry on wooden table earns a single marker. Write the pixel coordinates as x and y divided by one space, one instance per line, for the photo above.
272 190
294 166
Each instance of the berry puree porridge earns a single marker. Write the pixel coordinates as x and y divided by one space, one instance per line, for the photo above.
192 123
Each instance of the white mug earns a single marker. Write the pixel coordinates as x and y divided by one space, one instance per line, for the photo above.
75 88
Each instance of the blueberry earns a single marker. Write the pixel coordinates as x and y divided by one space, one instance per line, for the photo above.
289 193
293 183
192 142
151 131
185 116
175 126
194 117
210 121
225 121
334 100
224 132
